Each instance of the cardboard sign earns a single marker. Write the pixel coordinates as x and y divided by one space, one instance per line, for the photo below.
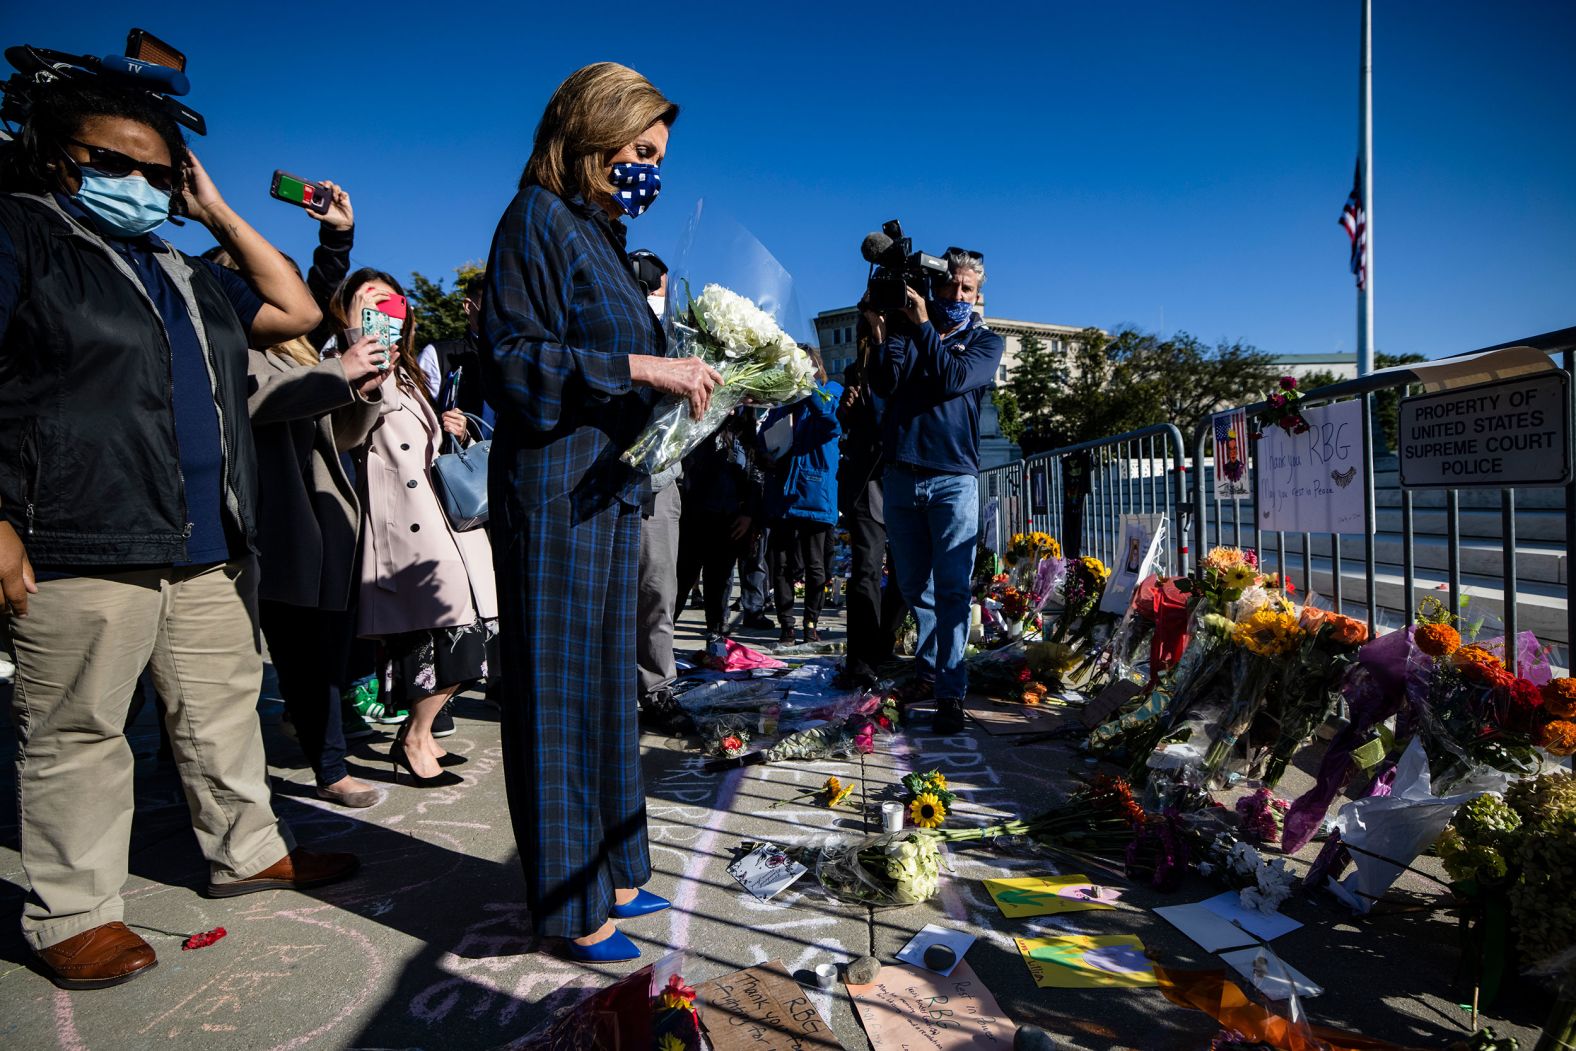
1231 454
906 1009
1007 718
1492 435
1313 482
761 1009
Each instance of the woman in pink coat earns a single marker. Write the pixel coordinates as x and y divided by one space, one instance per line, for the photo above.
427 592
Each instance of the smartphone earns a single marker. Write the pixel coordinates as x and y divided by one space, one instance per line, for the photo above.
451 388
297 191
395 307
145 47
381 326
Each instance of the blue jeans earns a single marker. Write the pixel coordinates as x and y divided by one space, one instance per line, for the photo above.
933 525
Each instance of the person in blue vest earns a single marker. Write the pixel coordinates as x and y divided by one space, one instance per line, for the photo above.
801 501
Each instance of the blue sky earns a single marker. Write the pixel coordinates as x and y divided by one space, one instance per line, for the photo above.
1167 165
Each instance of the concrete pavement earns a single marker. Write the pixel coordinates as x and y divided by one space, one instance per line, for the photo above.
431 946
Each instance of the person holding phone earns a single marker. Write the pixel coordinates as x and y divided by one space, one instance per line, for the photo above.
128 499
569 342
426 591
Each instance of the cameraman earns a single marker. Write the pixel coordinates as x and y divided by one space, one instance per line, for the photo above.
936 363
127 512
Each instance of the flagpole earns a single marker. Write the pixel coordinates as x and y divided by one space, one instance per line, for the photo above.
1365 147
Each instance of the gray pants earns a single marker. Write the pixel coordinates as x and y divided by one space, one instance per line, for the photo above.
657 592
79 651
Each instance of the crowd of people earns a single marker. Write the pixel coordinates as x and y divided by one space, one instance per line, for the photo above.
198 454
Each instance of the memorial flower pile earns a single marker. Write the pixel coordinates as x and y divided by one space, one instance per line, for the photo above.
758 361
1260 817
1310 691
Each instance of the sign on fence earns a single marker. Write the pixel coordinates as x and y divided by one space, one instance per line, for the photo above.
1313 482
1231 454
1136 558
1497 435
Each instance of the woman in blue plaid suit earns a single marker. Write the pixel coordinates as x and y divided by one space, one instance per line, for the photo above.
573 354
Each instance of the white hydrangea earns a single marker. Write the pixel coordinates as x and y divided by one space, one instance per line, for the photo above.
738 325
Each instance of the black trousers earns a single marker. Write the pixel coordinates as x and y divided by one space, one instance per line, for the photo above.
707 552
308 649
798 551
875 614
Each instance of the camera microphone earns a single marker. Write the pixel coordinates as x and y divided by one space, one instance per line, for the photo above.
875 246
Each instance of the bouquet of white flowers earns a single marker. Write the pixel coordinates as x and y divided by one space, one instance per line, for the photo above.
759 362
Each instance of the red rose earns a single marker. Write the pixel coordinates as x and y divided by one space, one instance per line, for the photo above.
1278 401
1024 675
1288 383
1526 704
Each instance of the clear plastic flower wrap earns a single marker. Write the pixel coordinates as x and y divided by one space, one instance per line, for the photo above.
742 323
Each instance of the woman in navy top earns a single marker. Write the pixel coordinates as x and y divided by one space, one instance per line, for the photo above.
569 344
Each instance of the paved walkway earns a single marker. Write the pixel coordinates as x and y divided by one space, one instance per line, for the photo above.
431 947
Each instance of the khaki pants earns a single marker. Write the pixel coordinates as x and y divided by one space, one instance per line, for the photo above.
78 654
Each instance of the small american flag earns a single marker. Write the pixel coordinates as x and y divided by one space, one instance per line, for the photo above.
1354 219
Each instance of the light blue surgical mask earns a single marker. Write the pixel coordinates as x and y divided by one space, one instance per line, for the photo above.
954 310
124 206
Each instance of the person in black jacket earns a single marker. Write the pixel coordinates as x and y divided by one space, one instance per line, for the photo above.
127 513
724 501
440 360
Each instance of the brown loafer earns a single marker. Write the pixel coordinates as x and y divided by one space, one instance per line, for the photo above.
106 955
297 870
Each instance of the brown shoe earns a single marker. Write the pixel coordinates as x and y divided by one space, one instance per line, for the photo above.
347 798
106 955
297 870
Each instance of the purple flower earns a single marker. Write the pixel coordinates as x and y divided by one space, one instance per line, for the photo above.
1288 383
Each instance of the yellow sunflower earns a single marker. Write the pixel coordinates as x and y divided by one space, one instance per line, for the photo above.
841 794
669 1042
927 810
832 786
1268 633
1095 568
939 778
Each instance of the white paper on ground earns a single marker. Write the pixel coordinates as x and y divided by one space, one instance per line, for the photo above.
1267 925
914 951
1271 975
1211 931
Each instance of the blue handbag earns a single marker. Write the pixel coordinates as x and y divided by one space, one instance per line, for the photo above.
460 480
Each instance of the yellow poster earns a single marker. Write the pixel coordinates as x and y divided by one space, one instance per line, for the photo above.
1079 961
1048 895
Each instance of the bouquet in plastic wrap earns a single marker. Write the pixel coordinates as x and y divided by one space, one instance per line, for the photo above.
1310 692
759 362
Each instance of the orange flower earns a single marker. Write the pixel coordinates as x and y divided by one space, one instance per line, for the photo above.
1476 661
1348 631
1558 737
1559 698
1437 640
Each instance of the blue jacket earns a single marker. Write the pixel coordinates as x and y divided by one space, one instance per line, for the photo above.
804 485
934 389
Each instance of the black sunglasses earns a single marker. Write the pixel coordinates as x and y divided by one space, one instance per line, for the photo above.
978 257
117 165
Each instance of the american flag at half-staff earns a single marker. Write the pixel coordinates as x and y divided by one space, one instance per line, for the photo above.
1355 222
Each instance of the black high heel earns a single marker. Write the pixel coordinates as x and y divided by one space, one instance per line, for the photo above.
398 758
448 759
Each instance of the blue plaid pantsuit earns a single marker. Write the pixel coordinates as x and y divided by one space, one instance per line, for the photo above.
560 317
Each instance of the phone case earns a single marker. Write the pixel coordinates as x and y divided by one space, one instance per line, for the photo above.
395 307
385 329
318 200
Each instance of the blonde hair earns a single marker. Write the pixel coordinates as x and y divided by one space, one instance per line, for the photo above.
299 350
597 111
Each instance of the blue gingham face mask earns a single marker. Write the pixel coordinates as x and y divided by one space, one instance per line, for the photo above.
635 187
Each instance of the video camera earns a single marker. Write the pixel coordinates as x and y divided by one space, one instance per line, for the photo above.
896 267
149 65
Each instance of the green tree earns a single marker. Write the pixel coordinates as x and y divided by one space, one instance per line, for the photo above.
1387 403
1106 384
439 313
1008 419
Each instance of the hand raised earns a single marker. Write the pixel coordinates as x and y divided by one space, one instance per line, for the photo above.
366 357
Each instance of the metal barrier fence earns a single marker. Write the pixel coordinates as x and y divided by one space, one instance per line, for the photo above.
1145 472
1324 558
1141 472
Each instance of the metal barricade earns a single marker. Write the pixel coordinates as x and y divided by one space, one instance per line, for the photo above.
1479 556
1142 472
1002 484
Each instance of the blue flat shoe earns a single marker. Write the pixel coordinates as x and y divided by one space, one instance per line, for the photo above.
612 949
644 903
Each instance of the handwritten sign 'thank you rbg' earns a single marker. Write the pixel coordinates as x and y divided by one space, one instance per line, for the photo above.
1313 482
762 1009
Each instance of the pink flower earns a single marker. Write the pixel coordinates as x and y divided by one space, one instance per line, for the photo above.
1288 383
203 940
865 739
1278 401
1250 556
